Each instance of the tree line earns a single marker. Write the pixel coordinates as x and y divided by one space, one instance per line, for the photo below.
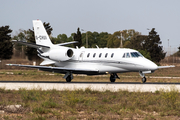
149 45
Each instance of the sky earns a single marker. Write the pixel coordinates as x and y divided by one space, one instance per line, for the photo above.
65 16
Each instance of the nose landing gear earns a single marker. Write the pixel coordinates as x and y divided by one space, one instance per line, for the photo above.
143 76
144 79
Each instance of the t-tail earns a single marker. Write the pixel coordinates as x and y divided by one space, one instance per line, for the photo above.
46 50
41 35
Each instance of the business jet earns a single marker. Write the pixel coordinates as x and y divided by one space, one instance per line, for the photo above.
89 61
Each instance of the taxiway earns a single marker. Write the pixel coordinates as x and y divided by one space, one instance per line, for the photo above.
97 86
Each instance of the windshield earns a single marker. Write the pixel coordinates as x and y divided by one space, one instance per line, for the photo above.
136 54
132 54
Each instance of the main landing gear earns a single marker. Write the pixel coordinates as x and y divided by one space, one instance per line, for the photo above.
68 76
113 77
143 77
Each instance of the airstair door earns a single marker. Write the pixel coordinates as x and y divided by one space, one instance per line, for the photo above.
81 56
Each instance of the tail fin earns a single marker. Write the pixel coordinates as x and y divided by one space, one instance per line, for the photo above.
41 35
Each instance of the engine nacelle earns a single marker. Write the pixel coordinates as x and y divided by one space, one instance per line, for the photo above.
61 54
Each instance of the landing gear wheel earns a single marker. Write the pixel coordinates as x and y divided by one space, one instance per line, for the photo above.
68 79
143 79
112 78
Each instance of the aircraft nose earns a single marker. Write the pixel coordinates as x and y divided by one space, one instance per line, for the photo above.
151 65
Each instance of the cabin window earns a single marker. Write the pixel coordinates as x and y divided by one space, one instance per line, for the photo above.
112 55
88 54
106 55
94 55
100 54
124 55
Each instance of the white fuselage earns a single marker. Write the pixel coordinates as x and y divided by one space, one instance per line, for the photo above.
107 60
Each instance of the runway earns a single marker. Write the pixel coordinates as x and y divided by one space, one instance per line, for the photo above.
96 86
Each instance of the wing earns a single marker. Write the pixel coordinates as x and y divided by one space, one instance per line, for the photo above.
30 44
165 66
59 69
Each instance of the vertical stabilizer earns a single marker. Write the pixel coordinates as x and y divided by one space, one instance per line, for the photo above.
40 33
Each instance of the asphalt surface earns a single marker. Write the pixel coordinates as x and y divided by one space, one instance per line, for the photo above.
64 82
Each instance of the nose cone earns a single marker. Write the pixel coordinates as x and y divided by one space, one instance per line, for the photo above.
149 65
153 66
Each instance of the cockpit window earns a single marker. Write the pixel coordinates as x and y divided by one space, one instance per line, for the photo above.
132 54
136 54
127 55
140 54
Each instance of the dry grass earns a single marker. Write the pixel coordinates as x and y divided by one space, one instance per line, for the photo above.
79 104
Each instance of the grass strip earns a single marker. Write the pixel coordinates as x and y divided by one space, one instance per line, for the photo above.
89 104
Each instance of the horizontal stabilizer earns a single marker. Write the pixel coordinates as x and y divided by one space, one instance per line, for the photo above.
67 43
30 44
165 66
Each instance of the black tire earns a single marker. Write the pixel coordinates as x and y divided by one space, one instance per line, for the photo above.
112 78
143 79
68 79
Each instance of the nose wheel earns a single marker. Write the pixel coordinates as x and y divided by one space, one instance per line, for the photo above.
143 76
143 79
